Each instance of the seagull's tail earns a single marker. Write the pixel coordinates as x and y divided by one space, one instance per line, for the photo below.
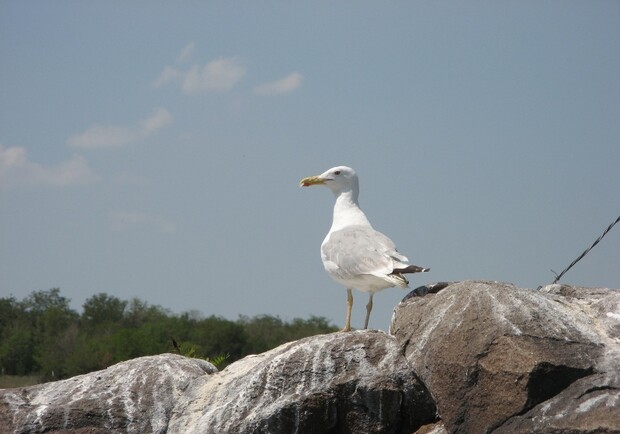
398 274
410 269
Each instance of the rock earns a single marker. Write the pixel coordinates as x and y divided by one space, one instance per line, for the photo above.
490 351
589 405
433 428
130 397
357 382
431 288
487 357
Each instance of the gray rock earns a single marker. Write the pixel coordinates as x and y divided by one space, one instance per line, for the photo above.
589 405
357 382
433 428
429 288
490 351
131 397
485 356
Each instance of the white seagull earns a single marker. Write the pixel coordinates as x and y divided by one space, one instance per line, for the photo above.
353 253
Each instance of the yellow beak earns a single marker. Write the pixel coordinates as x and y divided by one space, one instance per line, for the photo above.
311 180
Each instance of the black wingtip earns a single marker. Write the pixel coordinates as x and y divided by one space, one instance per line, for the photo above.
411 269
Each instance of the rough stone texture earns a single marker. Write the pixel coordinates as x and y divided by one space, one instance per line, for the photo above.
356 382
433 428
131 397
485 356
431 288
490 351
589 405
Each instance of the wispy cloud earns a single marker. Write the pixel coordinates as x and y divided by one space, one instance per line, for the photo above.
284 85
16 169
167 75
107 136
123 220
219 75
186 52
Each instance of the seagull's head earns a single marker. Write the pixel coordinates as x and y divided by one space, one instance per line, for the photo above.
337 179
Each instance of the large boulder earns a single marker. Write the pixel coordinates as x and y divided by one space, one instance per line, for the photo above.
489 352
486 357
356 382
131 397
590 404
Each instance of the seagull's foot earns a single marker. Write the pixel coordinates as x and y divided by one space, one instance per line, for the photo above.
346 329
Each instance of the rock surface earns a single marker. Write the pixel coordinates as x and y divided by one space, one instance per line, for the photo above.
356 382
589 405
465 357
490 351
131 397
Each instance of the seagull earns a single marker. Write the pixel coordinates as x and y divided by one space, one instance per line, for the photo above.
354 254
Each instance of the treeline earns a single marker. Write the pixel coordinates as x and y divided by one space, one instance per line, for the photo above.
42 335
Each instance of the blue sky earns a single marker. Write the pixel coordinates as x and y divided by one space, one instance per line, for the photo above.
154 150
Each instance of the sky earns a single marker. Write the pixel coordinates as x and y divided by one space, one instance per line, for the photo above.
154 149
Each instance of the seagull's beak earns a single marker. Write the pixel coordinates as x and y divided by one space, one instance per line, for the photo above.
311 180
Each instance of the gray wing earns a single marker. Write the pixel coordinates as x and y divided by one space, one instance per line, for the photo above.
358 250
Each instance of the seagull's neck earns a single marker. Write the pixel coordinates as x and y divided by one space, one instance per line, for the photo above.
347 212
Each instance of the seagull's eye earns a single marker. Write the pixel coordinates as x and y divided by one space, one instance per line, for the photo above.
337 172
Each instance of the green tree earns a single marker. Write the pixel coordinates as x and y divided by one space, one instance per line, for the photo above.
263 333
139 312
17 345
102 310
17 351
91 353
40 301
266 332
10 312
315 325
215 336
43 335
50 317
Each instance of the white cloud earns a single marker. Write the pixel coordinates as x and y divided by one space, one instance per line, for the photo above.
122 220
168 74
219 75
287 84
16 169
216 76
99 136
160 119
186 52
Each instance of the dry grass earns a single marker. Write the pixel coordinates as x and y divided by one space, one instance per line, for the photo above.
11 381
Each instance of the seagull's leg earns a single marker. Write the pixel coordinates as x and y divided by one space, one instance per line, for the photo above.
347 325
368 309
